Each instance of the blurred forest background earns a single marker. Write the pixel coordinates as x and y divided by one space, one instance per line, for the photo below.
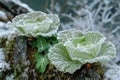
37 4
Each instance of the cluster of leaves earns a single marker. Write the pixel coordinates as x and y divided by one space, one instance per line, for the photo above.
42 45
44 24
76 48
35 24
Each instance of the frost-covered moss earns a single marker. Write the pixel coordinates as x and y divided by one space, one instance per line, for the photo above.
3 64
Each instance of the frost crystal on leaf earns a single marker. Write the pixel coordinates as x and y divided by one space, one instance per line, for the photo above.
34 24
67 34
72 52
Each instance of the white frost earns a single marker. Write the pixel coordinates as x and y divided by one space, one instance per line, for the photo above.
11 77
113 73
3 15
18 2
6 33
3 64
2 24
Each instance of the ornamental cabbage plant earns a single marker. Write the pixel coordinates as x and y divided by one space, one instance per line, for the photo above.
39 29
76 48
34 24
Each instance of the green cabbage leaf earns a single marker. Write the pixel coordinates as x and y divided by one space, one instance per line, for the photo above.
35 23
73 51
